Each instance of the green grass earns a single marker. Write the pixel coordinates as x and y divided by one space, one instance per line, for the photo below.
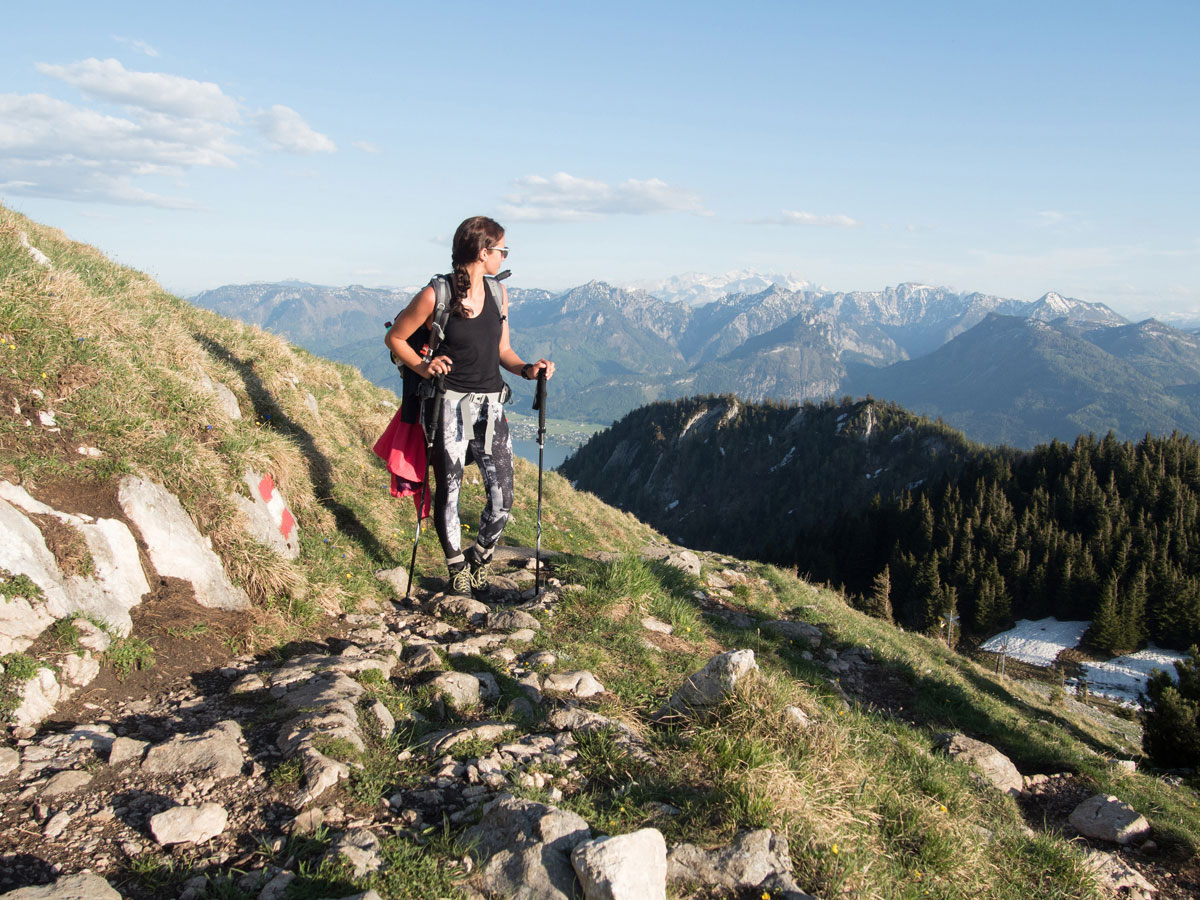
868 809
129 654
12 586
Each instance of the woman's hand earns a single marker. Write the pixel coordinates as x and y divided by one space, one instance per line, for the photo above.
531 370
439 365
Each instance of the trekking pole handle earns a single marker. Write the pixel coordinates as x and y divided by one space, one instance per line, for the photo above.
540 403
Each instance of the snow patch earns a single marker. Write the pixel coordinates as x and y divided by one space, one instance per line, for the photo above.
1124 678
1037 642
786 459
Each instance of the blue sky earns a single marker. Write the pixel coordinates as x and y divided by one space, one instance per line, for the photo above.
1011 148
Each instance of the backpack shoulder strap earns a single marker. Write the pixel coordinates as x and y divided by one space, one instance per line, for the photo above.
441 310
493 290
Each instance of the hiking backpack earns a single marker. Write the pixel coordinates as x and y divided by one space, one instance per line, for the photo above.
443 296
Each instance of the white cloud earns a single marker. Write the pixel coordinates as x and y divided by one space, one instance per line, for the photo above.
566 198
367 147
37 128
794 217
166 125
1048 218
156 91
285 129
140 46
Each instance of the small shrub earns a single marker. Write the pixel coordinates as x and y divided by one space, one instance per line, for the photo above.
1171 737
65 635
19 586
338 748
129 654
287 772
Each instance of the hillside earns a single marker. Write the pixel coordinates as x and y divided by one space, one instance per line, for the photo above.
1022 381
329 737
855 492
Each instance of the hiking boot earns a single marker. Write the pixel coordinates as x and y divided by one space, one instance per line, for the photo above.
480 574
461 580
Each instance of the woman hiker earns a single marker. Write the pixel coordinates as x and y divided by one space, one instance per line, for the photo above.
470 424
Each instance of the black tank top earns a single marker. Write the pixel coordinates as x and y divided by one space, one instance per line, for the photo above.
473 345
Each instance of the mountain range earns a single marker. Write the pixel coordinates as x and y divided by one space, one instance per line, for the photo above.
1003 370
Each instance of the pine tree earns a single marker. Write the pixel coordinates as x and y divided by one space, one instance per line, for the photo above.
1171 737
1106 632
880 603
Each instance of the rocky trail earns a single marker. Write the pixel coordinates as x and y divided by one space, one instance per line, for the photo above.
424 748
235 772
227 770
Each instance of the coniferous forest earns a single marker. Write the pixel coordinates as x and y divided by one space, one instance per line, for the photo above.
916 522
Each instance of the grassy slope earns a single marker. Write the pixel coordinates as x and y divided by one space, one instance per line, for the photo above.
869 810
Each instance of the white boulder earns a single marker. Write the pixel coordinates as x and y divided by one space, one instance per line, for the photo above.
625 867
175 545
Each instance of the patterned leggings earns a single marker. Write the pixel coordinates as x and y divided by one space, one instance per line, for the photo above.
461 436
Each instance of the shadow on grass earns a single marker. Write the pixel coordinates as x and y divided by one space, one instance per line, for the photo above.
319 469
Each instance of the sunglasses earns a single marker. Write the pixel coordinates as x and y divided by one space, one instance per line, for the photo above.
503 251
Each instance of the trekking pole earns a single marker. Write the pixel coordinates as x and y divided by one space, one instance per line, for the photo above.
539 403
428 432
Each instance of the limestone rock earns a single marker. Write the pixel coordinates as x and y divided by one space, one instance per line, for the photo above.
795 631
387 722
1117 875
797 717
652 624
119 583
65 783
443 605
226 399
626 867
39 696
578 684
397 578
439 743
524 848
189 824
361 848
23 551
9 760
754 858
70 887
991 763
91 636
175 545
712 684
216 752
267 517
80 670
125 750
420 658
1106 818
512 620
459 688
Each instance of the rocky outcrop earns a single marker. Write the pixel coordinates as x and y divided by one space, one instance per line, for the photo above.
525 849
754 860
175 545
993 765
712 684
625 867
189 824
266 514
69 887
1106 818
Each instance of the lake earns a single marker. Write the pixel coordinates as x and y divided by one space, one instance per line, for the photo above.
552 457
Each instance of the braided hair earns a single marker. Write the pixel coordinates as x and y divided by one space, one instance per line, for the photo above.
471 238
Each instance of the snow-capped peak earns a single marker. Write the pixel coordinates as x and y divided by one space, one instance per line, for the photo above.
698 288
